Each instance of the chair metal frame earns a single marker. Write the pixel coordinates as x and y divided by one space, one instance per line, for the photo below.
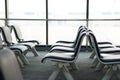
31 44
106 59
19 50
9 68
63 59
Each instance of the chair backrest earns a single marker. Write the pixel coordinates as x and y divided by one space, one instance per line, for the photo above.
9 67
80 30
17 32
18 35
9 26
94 44
79 44
1 46
89 40
6 35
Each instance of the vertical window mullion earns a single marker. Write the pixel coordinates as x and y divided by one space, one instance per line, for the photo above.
6 13
47 22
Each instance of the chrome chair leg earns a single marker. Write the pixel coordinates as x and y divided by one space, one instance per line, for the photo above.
95 62
100 66
67 73
92 55
74 66
61 67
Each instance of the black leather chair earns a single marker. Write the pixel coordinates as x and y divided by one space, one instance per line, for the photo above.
104 47
111 58
20 50
64 43
63 59
31 44
68 43
9 68
68 48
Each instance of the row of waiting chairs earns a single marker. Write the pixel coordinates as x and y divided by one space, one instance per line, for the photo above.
29 43
65 52
65 55
21 48
108 56
11 54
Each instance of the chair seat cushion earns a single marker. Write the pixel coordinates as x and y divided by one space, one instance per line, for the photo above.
57 56
63 44
105 42
110 50
29 44
30 41
63 49
18 47
111 58
105 45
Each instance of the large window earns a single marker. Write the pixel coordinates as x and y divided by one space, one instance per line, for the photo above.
32 30
104 9
2 12
2 9
108 10
67 9
28 15
63 30
61 18
2 22
27 9
106 31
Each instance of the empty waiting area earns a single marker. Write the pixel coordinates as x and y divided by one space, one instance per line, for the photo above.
64 60
59 39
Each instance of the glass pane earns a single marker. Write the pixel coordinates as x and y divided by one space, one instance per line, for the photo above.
106 30
67 9
104 9
63 30
32 30
30 9
2 23
2 9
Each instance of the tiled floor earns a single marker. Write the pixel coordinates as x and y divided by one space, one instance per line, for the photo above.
39 71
